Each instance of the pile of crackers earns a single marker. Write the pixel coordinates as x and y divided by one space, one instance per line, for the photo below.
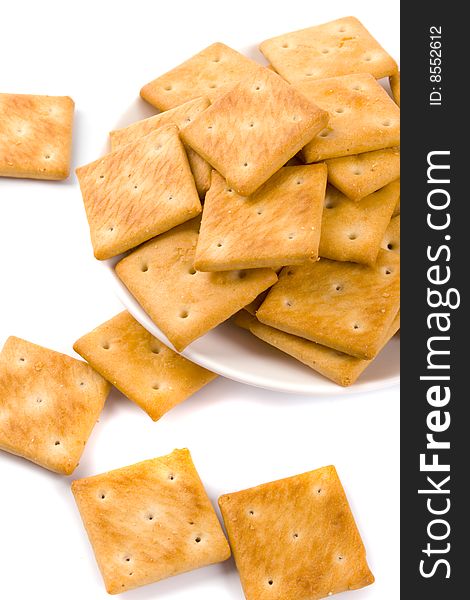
267 194
270 189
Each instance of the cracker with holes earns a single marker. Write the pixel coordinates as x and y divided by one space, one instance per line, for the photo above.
341 368
137 192
342 305
35 136
363 117
295 538
149 521
277 225
180 116
140 366
252 131
353 231
391 239
211 73
395 87
49 404
336 48
182 302
359 175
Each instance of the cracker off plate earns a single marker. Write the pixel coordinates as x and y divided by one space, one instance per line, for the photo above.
237 354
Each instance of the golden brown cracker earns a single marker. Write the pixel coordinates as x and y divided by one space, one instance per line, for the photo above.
149 373
149 521
277 225
180 116
353 231
342 305
182 302
359 175
395 86
391 239
211 73
396 211
362 117
295 538
49 404
35 136
137 192
336 48
341 368
252 131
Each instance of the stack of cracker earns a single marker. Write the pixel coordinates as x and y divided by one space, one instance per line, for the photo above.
275 189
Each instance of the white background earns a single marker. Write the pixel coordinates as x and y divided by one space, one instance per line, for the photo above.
53 291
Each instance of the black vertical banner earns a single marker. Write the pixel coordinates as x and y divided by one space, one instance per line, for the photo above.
435 330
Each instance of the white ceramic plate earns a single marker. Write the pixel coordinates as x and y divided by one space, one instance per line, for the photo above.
236 354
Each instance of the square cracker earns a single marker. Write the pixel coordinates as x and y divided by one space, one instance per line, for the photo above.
137 192
336 48
180 116
140 366
341 368
182 302
342 305
295 538
49 404
277 225
149 521
353 231
395 86
359 175
252 131
211 73
391 239
35 136
363 117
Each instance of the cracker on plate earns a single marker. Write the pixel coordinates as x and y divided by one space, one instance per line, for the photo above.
341 368
395 86
397 209
35 136
342 305
49 404
353 231
277 225
391 239
295 538
211 73
149 373
180 116
252 131
138 191
336 48
359 175
149 521
183 302
362 116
